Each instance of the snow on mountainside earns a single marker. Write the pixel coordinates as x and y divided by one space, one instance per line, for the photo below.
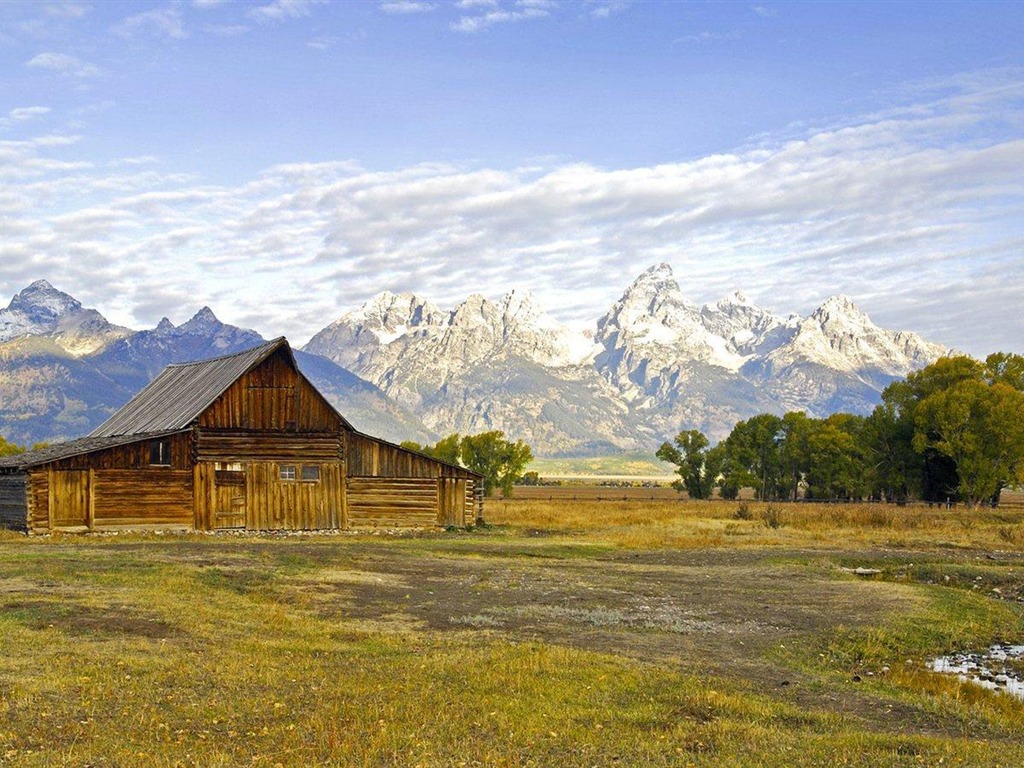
482 365
402 367
53 390
42 310
655 363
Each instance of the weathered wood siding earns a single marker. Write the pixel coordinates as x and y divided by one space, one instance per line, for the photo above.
272 396
113 488
451 501
14 501
131 456
260 500
238 445
392 502
135 498
391 486
39 501
370 457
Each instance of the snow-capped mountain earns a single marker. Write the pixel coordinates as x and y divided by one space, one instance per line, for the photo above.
402 367
656 362
51 389
42 310
482 365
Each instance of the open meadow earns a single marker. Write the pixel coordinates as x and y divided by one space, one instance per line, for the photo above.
564 633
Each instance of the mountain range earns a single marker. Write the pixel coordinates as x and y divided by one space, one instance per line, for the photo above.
404 368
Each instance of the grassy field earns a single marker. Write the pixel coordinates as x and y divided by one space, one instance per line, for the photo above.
564 634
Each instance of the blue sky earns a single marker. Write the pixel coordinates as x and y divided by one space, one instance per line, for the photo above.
284 161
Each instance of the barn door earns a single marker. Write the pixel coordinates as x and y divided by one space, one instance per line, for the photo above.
69 499
229 499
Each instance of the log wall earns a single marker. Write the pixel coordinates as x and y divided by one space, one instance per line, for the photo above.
141 498
14 501
237 445
392 502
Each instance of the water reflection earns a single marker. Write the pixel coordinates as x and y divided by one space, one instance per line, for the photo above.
989 669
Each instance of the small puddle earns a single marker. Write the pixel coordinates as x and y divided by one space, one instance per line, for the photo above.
989 669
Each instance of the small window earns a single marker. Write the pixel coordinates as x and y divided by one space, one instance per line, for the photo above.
311 473
160 453
287 472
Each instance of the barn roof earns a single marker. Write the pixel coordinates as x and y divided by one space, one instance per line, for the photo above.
177 397
71 448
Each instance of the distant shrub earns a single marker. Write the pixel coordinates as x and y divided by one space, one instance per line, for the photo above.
743 512
772 517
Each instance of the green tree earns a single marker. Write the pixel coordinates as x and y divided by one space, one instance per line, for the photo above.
1005 368
754 457
9 449
980 427
892 466
794 451
500 461
689 454
836 458
448 448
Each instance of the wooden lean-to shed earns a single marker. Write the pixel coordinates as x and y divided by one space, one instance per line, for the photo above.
240 442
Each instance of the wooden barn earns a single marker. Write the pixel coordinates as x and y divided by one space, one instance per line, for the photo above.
240 442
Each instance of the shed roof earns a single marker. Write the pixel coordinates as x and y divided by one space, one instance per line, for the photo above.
180 394
71 448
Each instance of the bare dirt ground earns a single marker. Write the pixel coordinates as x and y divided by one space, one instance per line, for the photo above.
721 613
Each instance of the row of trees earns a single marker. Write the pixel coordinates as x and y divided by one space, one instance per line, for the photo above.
498 459
952 430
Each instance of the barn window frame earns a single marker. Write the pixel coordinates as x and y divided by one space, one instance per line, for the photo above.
287 473
310 473
160 452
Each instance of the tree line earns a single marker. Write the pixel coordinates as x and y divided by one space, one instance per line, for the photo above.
499 460
951 431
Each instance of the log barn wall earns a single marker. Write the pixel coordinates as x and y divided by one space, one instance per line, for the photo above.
114 488
392 486
14 501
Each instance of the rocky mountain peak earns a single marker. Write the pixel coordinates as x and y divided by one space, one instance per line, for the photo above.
390 314
40 302
203 321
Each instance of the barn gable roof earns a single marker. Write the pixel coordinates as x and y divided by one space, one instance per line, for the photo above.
180 394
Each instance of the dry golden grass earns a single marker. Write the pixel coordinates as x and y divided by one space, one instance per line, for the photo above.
221 651
647 525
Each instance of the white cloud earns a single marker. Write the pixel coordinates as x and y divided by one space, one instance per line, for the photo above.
22 114
64 64
764 11
399 7
908 211
157 23
602 9
708 37
280 10
68 11
523 10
